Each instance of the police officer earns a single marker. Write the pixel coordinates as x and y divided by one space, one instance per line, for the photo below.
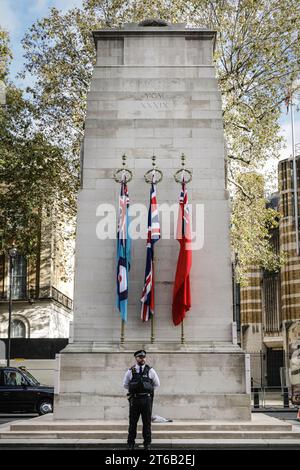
140 380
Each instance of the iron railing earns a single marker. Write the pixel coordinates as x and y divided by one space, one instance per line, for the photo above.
61 298
44 294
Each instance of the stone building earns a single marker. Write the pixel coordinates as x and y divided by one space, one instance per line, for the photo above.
41 291
270 304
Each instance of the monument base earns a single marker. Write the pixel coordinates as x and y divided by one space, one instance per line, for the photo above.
262 432
198 381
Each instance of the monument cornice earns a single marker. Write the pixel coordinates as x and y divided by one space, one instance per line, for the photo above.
196 33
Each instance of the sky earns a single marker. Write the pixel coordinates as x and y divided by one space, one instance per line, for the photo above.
286 127
270 168
16 16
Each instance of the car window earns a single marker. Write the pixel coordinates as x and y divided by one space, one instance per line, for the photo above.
13 379
30 377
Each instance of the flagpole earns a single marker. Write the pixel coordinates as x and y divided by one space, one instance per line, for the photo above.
295 178
183 174
152 329
150 178
152 316
122 337
123 176
180 177
182 333
152 339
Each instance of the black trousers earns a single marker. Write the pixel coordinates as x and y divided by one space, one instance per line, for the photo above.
140 406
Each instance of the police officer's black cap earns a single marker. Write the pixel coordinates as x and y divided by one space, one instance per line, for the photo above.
141 353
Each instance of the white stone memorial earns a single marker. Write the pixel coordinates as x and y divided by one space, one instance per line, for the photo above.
154 91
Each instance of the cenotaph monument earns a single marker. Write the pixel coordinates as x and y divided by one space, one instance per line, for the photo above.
154 91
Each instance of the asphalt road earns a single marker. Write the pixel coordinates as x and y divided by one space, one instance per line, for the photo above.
288 416
8 418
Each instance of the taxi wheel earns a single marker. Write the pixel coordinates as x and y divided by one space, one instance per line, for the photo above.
45 407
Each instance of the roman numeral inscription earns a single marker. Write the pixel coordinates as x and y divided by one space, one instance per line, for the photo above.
154 101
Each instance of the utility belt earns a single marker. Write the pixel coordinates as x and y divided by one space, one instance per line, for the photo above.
140 395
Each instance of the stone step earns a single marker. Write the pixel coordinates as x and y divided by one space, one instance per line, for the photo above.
183 444
160 435
181 427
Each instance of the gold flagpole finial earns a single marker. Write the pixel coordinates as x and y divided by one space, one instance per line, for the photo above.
181 174
123 174
154 173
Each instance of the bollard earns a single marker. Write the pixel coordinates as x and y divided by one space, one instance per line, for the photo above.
256 397
286 403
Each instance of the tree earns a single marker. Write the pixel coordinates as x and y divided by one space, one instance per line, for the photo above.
252 225
35 176
5 54
257 56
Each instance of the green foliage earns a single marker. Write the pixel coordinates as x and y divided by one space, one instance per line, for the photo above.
60 54
34 176
257 56
5 54
252 226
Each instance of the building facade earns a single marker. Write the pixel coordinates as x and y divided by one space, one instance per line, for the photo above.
41 292
270 303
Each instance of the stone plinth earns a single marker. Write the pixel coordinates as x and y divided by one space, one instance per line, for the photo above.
194 386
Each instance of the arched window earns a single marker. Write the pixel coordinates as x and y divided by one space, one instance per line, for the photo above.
18 329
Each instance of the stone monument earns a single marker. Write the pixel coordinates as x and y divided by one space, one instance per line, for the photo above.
154 90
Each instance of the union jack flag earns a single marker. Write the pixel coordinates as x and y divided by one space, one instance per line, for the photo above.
123 252
153 236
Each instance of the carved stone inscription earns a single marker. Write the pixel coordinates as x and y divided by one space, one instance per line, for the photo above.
153 100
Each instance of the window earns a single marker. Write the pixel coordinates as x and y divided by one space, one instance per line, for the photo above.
284 176
2 275
298 171
13 379
19 277
285 205
18 329
271 298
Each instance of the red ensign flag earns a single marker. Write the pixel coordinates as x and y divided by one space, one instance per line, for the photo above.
182 291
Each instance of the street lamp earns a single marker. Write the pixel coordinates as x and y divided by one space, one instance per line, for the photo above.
12 253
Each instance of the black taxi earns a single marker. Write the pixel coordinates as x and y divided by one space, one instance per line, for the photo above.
20 392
